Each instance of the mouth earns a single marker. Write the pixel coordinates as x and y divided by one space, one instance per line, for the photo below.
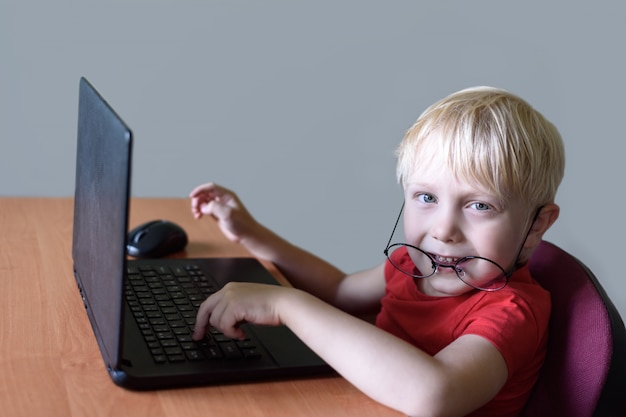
444 260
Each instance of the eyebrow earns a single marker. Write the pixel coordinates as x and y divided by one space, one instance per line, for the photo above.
419 184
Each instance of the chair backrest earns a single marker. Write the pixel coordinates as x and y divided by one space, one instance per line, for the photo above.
584 373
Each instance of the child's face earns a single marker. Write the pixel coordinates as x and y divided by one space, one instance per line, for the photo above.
451 218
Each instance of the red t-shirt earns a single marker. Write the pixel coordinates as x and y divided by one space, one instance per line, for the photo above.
514 319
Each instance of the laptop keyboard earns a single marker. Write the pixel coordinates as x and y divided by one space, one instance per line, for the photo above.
164 301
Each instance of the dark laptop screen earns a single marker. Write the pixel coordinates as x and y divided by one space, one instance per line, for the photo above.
100 215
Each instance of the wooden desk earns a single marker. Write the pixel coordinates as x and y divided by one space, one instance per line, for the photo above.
50 364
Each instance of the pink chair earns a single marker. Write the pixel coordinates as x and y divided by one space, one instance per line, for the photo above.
585 370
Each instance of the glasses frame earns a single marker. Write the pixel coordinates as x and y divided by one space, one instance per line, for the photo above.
436 265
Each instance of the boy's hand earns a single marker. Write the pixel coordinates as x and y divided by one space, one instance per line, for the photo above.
237 303
224 206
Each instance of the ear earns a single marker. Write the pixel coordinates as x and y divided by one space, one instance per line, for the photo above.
546 218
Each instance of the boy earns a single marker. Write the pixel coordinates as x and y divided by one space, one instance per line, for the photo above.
461 326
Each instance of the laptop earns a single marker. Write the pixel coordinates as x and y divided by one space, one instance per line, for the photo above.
142 311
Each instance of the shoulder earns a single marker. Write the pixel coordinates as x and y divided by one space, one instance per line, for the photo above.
523 302
514 319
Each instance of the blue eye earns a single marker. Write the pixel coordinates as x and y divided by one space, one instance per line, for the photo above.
426 198
480 206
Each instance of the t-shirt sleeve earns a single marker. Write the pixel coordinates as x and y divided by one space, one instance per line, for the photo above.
516 326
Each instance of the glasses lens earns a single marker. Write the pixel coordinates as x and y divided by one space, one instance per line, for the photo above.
481 273
420 267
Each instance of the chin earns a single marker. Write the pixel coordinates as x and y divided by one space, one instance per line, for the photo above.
445 287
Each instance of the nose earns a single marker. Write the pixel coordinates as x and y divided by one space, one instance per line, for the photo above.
445 226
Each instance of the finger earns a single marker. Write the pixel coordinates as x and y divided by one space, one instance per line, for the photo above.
202 189
197 205
225 321
217 209
210 189
202 318
195 208
203 195
224 316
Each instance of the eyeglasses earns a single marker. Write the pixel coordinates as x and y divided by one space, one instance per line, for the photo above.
477 272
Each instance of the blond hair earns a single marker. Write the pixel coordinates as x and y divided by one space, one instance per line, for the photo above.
491 138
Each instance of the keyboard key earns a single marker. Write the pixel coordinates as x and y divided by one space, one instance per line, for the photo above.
188 345
173 351
160 358
230 350
194 355
251 353
169 343
212 352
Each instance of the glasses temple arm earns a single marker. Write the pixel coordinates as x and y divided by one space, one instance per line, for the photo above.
536 216
394 229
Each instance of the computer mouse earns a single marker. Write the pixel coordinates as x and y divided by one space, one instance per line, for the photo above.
156 239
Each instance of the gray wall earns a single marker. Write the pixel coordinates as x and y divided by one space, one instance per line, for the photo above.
298 106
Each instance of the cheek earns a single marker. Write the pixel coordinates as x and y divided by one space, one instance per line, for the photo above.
412 230
498 245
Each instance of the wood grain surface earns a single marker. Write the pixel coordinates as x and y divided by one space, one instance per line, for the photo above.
50 364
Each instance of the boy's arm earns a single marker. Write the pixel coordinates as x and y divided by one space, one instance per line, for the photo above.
353 293
301 268
460 378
